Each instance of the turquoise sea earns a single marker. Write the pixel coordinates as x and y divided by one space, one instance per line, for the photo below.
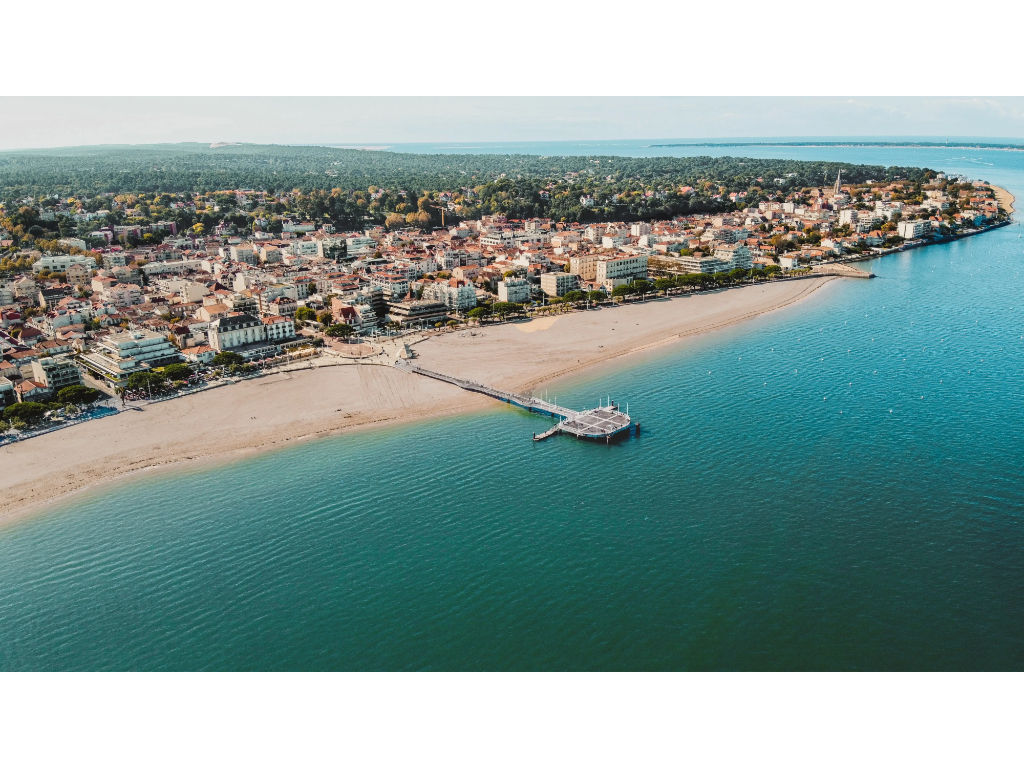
837 486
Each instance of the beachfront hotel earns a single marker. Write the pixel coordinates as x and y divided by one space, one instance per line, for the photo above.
119 355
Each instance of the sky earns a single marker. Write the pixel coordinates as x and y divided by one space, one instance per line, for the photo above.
48 121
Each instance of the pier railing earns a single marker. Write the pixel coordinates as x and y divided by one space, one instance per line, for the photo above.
528 402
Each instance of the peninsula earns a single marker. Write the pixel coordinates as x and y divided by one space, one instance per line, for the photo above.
145 328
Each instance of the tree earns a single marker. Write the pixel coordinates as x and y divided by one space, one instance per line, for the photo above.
502 308
738 274
28 413
664 283
597 296
621 290
4 426
478 313
78 394
177 372
304 313
641 286
339 330
575 297
146 380
228 358
324 318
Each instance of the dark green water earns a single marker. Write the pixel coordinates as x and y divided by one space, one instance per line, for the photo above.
835 486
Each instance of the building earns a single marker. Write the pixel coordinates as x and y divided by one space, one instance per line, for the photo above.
457 295
394 285
734 256
235 330
114 259
119 355
699 263
417 313
911 230
121 294
245 253
249 336
613 272
558 283
56 372
279 328
201 353
7 394
360 246
60 262
78 274
514 289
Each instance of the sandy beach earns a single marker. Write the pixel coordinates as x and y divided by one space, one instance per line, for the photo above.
232 422
1004 198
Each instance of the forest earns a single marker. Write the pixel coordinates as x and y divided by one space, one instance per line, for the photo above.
353 188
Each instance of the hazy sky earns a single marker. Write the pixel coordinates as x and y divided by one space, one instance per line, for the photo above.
52 121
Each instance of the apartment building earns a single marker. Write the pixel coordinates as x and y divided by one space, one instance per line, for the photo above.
514 289
613 272
558 283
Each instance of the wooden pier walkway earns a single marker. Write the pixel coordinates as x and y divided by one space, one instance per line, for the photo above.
534 404
603 423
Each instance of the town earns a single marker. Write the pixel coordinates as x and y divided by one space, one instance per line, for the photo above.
141 309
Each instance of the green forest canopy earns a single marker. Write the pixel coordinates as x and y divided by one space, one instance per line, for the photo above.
518 185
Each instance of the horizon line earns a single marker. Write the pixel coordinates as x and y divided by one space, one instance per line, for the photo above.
371 145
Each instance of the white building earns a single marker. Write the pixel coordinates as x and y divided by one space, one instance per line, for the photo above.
245 253
911 230
613 241
558 283
613 272
514 289
358 246
61 261
457 295
279 328
119 355
237 330
734 256
699 262
56 372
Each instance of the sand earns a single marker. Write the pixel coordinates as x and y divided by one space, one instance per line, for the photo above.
1004 198
232 422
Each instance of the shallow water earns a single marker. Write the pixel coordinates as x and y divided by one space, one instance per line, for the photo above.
834 486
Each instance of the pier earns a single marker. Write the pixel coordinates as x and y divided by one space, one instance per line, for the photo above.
605 422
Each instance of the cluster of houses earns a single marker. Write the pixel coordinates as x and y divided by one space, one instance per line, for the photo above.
115 310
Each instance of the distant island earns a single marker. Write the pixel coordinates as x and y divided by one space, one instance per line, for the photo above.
887 144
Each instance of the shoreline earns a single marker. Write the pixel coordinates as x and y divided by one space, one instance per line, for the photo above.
1004 197
252 417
